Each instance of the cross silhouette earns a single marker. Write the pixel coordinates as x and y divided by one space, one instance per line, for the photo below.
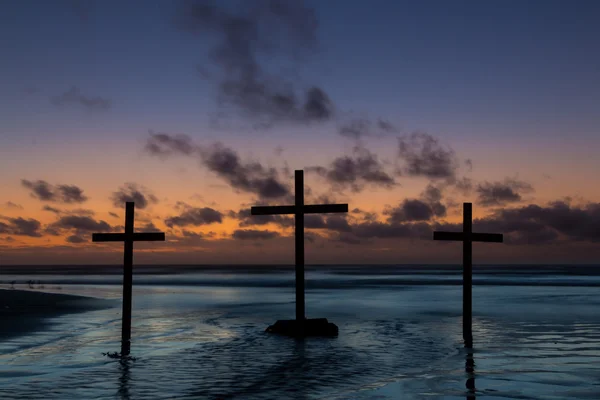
467 236
128 238
299 209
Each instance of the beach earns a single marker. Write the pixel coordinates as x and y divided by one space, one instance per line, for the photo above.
200 335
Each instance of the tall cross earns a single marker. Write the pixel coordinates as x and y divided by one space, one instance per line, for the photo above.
299 209
468 237
128 237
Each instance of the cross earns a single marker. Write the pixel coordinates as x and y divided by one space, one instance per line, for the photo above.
468 237
128 238
299 209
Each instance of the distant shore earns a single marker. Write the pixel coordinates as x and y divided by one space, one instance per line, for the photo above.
24 311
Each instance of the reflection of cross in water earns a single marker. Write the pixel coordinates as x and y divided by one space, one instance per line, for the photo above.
468 237
128 238
470 370
299 209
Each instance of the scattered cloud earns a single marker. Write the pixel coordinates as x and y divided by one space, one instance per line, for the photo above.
21 227
44 191
250 177
74 96
359 128
140 195
355 171
500 193
164 144
11 205
424 156
252 234
81 223
195 217
285 29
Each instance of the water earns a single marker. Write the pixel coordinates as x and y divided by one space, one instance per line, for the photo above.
200 335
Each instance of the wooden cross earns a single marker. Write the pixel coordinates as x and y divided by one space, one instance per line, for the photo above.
299 209
128 238
468 237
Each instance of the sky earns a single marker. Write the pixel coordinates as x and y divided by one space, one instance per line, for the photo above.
197 110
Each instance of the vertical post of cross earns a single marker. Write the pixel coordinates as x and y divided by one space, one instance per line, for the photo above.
468 274
127 278
299 236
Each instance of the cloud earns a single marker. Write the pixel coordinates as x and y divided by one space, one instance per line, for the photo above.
11 205
81 223
148 227
282 29
249 177
75 239
195 217
74 96
164 144
534 224
246 219
414 210
376 229
334 223
140 195
225 162
51 209
358 128
44 191
251 234
355 171
21 227
500 193
424 156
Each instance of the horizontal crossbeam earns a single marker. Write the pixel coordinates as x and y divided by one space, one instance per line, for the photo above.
121 237
309 209
475 237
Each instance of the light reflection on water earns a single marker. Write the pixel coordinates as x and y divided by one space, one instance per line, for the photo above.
206 342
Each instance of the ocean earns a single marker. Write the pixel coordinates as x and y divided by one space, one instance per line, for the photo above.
198 333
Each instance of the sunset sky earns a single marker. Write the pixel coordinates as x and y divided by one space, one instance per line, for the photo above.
198 110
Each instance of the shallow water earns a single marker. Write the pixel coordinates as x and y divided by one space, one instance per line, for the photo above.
202 336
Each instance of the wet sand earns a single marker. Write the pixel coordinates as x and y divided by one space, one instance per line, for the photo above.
24 311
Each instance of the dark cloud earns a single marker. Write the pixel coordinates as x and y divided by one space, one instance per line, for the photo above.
246 219
147 227
81 223
21 227
366 230
358 128
140 195
75 239
285 29
500 193
44 191
195 217
355 171
251 177
251 234
164 144
334 223
245 176
411 210
469 164
534 224
74 96
424 156
11 205
51 209
114 215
